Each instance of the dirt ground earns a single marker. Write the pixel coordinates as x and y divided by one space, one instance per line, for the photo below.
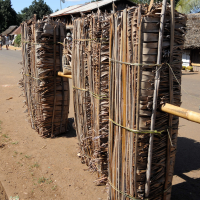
35 168
32 167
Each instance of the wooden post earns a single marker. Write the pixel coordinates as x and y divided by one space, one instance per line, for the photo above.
110 140
155 95
124 35
138 96
170 98
54 64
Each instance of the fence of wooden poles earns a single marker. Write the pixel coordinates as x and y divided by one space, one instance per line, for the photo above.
125 66
47 95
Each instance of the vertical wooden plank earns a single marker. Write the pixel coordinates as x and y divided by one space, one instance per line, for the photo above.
170 97
138 96
124 48
54 66
155 96
110 137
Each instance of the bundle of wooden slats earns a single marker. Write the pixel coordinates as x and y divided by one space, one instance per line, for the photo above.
145 72
90 61
47 95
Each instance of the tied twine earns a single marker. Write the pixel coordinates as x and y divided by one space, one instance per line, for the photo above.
43 42
97 40
124 193
136 64
130 196
137 131
93 94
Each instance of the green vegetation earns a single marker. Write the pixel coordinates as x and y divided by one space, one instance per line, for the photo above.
6 136
36 165
27 156
44 180
54 187
15 142
17 41
40 8
188 6
190 68
183 67
8 15
41 180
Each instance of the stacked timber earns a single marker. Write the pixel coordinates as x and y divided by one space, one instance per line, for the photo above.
145 72
47 95
90 61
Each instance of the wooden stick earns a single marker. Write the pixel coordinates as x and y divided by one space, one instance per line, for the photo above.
138 97
110 141
195 64
54 64
124 35
66 76
181 112
170 97
155 95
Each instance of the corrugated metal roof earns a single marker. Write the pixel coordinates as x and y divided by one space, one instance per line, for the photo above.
60 12
9 30
81 8
91 6
17 31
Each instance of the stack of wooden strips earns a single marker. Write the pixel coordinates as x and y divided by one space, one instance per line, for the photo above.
90 61
47 95
141 164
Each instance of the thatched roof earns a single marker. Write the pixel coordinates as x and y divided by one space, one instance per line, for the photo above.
192 38
9 30
16 31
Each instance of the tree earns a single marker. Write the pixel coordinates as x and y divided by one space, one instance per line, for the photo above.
40 8
8 16
188 6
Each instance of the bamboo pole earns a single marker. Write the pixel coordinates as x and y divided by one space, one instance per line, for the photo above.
62 75
181 112
155 95
195 64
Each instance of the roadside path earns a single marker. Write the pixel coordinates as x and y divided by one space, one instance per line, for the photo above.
32 167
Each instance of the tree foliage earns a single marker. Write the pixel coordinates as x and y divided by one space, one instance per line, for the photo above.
17 41
188 6
8 16
40 8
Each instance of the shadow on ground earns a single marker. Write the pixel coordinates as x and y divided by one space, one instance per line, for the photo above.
3 195
189 73
71 129
187 159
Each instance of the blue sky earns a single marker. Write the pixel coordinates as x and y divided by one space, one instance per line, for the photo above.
18 5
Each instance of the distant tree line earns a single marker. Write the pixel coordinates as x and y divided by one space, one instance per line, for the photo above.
9 17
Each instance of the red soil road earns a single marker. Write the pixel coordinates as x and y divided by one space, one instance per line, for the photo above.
30 166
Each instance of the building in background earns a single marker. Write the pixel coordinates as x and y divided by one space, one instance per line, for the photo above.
191 51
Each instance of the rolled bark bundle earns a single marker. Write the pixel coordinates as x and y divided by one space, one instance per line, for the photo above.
47 95
90 69
134 48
